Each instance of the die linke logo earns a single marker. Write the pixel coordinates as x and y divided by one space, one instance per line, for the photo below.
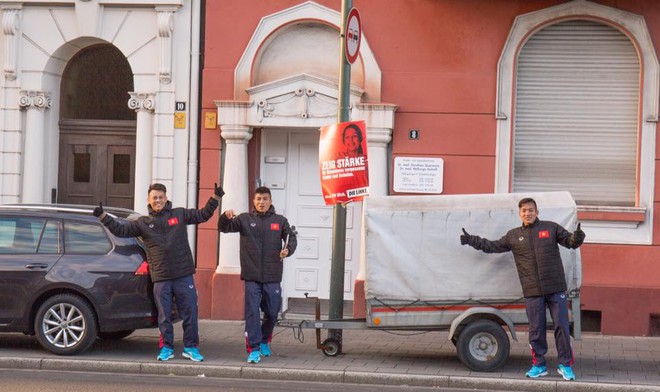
544 234
173 221
274 226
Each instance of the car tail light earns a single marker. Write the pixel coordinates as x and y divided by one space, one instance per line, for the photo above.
143 269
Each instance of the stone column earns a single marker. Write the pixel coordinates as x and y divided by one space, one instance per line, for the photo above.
236 184
143 104
377 141
35 103
379 118
227 287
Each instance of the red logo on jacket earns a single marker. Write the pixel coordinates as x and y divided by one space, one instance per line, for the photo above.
173 221
274 226
544 234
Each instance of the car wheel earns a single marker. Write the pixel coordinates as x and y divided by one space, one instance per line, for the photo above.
483 346
65 324
115 335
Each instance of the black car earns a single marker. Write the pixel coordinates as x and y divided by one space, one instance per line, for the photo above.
66 279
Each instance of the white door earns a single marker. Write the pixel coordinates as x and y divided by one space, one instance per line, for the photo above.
290 164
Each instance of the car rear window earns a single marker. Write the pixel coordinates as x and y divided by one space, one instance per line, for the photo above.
85 238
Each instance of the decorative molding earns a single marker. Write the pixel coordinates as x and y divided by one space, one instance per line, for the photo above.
299 103
10 25
307 11
236 134
165 29
142 101
302 100
31 99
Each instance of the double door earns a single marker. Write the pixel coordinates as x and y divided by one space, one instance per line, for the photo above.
97 163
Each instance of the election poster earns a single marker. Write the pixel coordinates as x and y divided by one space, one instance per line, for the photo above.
343 162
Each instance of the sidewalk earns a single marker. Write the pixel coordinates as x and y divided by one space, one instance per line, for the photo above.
603 363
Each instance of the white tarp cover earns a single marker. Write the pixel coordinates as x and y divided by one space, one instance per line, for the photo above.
413 248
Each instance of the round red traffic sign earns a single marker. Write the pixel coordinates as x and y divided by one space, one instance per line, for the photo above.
352 35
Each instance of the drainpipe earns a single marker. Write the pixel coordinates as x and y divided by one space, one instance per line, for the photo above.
193 141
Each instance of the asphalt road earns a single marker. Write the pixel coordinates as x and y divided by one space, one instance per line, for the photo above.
12 380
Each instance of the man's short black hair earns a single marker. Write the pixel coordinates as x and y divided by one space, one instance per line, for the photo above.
527 200
157 187
262 190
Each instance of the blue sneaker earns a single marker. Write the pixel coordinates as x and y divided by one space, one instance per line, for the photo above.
254 356
165 354
264 349
566 372
537 371
193 354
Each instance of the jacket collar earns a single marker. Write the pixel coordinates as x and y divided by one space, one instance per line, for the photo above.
536 222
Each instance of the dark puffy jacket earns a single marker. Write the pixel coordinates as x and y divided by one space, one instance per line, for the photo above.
262 239
166 237
536 254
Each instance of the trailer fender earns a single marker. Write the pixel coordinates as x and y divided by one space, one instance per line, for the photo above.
489 313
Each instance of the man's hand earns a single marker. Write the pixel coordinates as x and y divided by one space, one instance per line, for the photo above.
98 211
284 253
465 237
217 190
579 234
229 214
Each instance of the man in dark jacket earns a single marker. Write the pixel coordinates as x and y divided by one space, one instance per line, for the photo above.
171 263
541 272
266 239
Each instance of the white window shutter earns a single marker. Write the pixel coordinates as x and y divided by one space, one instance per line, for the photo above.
576 114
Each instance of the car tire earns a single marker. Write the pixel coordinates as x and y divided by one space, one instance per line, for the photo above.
115 335
483 346
65 324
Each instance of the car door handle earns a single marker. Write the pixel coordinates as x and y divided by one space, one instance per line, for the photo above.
36 266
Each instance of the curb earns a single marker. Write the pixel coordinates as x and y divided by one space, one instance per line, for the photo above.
312 375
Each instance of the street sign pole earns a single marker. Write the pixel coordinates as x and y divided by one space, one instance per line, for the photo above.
336 306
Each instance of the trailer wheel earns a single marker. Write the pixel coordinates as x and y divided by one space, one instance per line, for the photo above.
483 346
331 347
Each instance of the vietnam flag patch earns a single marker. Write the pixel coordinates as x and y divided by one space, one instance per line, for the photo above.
544 234
274 226
173 221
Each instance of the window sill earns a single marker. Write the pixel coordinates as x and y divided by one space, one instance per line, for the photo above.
612 214
616 225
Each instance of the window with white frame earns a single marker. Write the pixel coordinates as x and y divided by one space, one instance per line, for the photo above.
577 109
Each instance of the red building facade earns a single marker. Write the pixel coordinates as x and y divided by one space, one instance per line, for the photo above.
513 96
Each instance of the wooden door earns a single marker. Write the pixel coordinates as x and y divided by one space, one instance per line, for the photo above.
97 163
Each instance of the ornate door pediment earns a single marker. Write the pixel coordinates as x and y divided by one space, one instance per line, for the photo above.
299 101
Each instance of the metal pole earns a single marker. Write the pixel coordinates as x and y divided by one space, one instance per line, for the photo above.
336 309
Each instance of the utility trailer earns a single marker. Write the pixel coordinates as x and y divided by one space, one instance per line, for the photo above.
420 278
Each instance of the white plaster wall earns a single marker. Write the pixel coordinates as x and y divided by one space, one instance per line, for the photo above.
52 32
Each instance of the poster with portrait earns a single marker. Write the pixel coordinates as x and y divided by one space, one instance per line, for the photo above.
343 162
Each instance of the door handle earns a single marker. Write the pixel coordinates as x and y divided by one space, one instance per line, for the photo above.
36 266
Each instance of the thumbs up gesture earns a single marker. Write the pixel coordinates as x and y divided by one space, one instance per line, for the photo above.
579 234
98 211
465 237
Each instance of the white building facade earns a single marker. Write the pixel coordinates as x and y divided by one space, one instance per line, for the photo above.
62 139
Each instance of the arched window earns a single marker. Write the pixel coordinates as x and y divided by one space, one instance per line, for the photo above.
577 110
576 114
